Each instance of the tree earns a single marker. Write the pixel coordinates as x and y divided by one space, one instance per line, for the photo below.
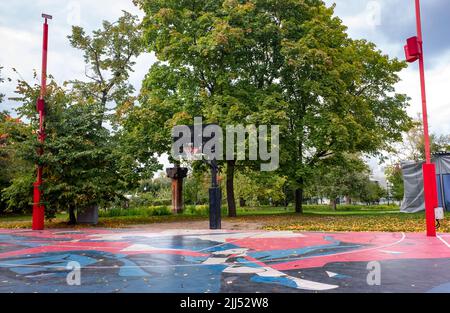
80 164
109 54
340 95
395 178
372 193
288 63
413 146
227 52
440 143
344 175
259 188
16 175
196 188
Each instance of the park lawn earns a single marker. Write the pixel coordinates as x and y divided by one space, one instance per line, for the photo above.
315 218
60 221
385 222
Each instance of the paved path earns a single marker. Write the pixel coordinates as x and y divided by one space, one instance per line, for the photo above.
139 260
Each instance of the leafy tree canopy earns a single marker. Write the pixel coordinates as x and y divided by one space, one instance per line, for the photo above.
289 63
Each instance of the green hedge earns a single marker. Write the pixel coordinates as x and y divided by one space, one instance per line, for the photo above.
346 207
142 211
203 210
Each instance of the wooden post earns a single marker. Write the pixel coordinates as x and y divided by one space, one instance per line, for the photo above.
177 174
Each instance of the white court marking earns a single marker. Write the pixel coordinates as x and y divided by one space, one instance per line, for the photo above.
442 239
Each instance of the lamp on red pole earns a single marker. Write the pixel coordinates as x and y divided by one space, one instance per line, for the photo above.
414 52
38 207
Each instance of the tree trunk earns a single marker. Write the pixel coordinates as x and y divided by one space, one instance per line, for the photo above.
333 204
299 200
242 202
286 203
230 189
72 217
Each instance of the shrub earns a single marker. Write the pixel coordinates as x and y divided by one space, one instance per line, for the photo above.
142 211
352 207
201 210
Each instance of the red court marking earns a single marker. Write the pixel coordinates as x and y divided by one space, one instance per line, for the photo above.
414 246
113 247
262 244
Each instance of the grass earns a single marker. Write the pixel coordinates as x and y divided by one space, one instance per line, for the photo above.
315 218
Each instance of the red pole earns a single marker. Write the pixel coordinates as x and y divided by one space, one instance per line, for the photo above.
429 169
38 208
422 84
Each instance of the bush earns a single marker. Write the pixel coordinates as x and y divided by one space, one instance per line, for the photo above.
19 195
352 207
147 199
161 211
161 202
201 210
142 211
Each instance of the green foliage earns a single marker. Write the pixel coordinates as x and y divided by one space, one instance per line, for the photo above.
260 188
198 210
311 208
342 98
413 146
344 175
152 192
440 143
109 53
372 193
195 189
80 164
394 176
288 63
80 161
15 176
18 194
201 210
142 211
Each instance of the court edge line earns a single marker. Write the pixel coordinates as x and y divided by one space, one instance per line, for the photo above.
445 242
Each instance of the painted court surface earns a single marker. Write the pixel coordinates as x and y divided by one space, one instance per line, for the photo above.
138 260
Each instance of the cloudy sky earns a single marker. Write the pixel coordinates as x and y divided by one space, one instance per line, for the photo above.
387 23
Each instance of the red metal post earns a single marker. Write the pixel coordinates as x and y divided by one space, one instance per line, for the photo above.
429 169
38 207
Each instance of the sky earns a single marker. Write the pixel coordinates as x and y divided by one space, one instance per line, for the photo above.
387 23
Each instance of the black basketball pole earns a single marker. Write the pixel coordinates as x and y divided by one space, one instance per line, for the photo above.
215 199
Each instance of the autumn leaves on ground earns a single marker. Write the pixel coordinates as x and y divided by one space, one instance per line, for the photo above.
357 218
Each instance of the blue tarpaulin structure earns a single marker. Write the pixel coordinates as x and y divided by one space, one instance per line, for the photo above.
413 200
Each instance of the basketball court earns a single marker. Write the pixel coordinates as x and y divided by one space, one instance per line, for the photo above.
206 261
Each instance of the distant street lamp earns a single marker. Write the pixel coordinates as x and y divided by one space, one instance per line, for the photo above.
414 52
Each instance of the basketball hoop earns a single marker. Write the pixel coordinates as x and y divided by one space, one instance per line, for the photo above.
189 155
190 152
